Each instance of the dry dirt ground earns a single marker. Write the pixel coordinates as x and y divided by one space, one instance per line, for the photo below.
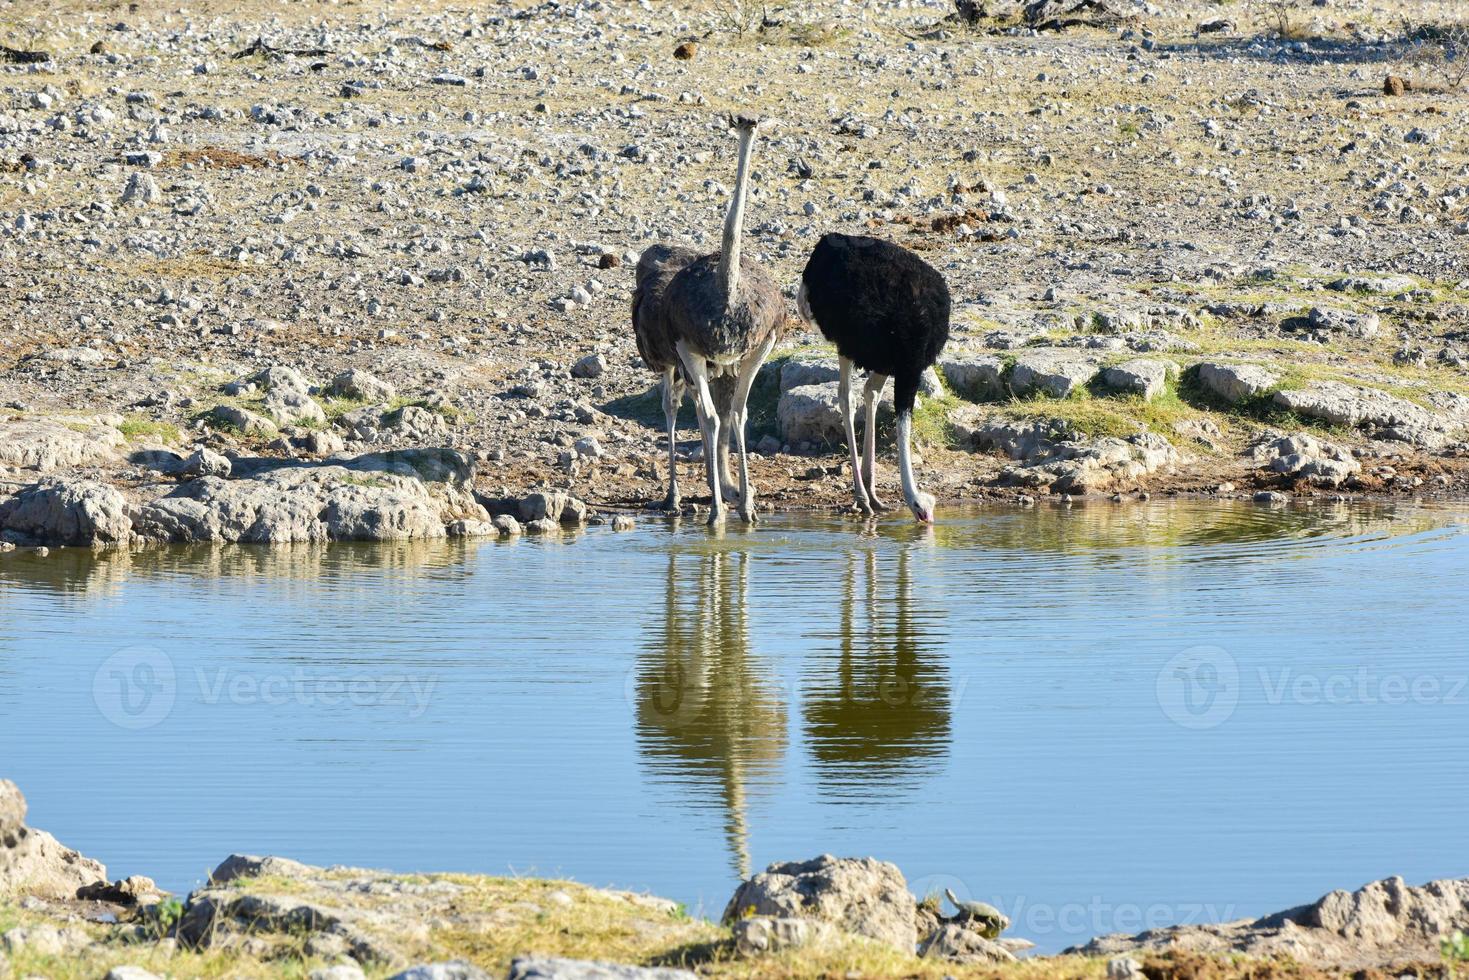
452 196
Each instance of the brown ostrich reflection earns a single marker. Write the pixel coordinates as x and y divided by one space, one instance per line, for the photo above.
707 714
882 709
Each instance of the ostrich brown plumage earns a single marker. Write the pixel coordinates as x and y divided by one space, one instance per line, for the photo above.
724 314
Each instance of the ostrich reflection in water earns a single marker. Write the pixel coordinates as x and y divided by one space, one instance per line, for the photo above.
710 712
879 716
708 715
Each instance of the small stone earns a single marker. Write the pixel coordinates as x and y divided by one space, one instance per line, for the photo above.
359 385
623 522
1124 968
508 526
1395 85
129 973
590 366
206 462
686 51
1271 497
342 971
142 189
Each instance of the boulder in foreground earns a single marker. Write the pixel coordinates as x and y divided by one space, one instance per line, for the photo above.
863 896
1385 922
32 862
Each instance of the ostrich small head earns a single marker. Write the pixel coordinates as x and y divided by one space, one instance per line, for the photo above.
922 506
744 123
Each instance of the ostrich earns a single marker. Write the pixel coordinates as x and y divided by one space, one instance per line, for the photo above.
656 268
887 311
724 314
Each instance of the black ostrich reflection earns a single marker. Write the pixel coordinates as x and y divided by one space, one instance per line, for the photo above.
879 711
708 715
711 716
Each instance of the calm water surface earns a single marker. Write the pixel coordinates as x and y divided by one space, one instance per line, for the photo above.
1099 718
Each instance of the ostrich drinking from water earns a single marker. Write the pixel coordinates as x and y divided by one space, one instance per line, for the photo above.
887 311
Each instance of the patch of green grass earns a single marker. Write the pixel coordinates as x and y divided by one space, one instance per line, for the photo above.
136 427
447 411
1455 948
816 35
931 425
335 408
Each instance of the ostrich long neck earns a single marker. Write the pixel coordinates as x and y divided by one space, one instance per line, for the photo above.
905 460
734 221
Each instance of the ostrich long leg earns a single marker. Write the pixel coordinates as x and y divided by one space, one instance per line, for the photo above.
723 388
697 370
844 402
870 392
749 367
672 397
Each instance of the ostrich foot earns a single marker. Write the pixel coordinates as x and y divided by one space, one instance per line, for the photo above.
860 506
880 506
671 503
716 517
749 515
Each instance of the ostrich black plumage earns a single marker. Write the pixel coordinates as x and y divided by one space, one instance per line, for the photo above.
887 311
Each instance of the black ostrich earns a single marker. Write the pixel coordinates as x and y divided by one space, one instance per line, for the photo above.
887 311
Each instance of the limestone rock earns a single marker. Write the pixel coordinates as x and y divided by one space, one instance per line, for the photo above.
1352 324
590 366
552 968
973 375
761 934
238 866
452 970
32 862
1140 376
811 413
800 370
1055 372
556 506
1102 463
73 512
206 462
1382 285
359 385
130 973
399 495
863 896
47 445
289 406
1382 923
241 420
1305 457
1236 382
415 423
1385 415
954 941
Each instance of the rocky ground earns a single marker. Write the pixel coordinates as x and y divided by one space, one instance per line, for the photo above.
60 917
271 235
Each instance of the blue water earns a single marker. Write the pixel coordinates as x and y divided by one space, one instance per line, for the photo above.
1100 719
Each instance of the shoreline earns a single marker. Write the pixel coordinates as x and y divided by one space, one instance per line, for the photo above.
61 916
